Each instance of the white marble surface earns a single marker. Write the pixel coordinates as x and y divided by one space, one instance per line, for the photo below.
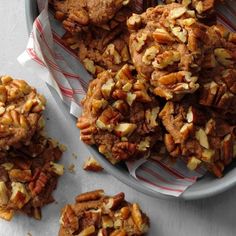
210 217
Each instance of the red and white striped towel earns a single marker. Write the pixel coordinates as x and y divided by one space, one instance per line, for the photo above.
60 68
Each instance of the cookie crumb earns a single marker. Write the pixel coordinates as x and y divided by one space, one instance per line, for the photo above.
71 168
74 155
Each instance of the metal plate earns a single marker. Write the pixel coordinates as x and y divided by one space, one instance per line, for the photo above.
205 187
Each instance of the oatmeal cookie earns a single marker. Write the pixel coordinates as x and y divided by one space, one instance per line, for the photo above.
218 75
166 46
28 176
198 136
94 213
120 116
20 112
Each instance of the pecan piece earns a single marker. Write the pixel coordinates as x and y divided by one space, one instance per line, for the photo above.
92 164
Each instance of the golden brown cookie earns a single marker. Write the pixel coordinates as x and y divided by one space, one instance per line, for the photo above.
20 112
218 75
199 136
101 49
76 15
94 213
28 176
120 116
166 46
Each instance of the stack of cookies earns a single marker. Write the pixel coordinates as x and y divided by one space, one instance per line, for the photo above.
28 168
171 87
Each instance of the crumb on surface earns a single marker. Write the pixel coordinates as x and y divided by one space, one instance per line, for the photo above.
71 168
74 155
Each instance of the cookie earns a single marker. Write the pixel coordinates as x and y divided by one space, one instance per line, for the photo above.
199 136
218 75
94 213
28 177
120 116
20 112
101 49
76 15
166 46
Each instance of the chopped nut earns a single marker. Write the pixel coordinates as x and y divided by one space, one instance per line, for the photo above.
232 37
87 231
177 12
6 214
125 212
107 88
187 22
186 2
134 22
166 59
130 98
114 202
193 163
162 36
90 196
89 65
181 34
92 164
141 41
150 55
144 145
137 218
69 219
18 175
3 194
207 155
8 166
6 79
111 50
57 168
107 222
2 110
127 87
186 130
124 129
125 54
98 104
151 116
202 138
223 56
108 119
199 7
19 196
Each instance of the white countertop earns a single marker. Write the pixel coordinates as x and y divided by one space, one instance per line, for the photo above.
211 217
